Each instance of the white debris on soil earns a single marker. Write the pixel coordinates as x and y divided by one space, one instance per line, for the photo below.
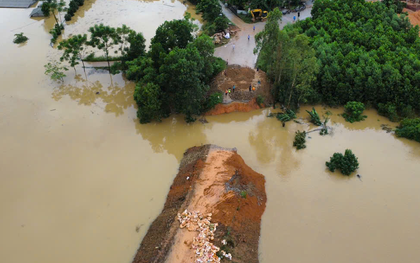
205 251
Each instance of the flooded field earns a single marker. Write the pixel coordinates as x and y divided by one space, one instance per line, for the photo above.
81 179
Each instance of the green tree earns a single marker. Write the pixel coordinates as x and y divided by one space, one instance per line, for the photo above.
353 111
148 99
74 50
367 53
346 163
55 70
181 80
137 45
175 33
103 38
52 7
141 70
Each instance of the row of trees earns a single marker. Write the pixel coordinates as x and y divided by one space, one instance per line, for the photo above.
73 7
367 53
54 7
174 75
350 50
124 41
264 4
289 61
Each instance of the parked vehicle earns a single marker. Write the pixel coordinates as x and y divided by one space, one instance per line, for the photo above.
300 8
285 11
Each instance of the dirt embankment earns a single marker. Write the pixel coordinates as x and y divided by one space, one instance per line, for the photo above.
242 98
234 106
413 16
217 183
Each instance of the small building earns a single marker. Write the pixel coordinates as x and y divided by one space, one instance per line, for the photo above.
17 3
37 12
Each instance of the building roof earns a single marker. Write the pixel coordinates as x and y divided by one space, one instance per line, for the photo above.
17 3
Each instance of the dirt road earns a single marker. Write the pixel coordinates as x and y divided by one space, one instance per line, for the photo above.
243 53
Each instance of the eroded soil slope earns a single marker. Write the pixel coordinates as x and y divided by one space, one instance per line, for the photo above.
211 180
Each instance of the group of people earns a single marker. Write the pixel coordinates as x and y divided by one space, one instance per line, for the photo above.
228 91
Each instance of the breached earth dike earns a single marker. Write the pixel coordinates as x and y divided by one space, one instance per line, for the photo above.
230 200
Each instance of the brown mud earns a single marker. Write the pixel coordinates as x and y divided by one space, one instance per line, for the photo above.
210 180
242 78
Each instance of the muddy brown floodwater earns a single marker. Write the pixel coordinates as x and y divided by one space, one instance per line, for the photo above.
81 180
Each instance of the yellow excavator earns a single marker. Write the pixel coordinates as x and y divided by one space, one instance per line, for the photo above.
258 14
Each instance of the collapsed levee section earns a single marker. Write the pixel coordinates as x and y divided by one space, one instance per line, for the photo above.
212 212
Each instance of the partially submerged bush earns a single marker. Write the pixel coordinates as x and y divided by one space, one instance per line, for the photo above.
410 129
286 116
324 130
353 111
346 164
315 117
260 100
56 32
20 38
300 140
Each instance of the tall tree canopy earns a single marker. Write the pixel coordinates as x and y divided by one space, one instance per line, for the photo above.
181 66
366 52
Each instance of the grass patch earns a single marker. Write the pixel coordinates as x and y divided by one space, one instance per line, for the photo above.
246 18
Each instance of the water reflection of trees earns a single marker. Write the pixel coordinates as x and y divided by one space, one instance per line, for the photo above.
116 98
273 143
172 135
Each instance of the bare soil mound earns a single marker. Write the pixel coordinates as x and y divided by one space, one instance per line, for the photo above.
212 181
413 16
242 78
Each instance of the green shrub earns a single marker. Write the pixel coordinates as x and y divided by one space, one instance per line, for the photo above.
20 38
346 164
410 129
148 100
67 17
221 23
244 194
407 112
353 111
213 100
315 117
260 100
300 140
218 65
388 110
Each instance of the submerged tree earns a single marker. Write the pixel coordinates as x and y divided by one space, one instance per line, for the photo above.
55 71
300 140
103 38
74 50
314 117
19 38
346 163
